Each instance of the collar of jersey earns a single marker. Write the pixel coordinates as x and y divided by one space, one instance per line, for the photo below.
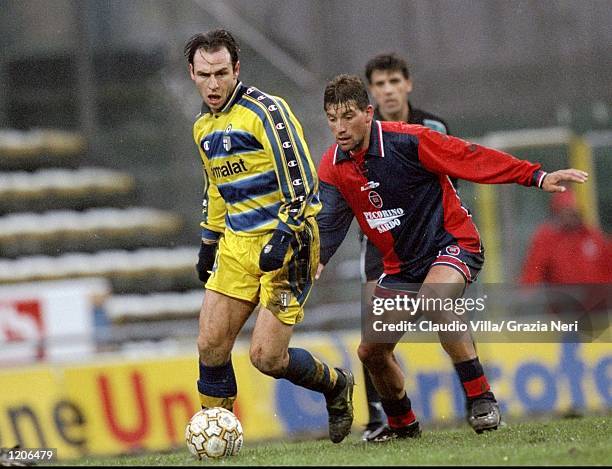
235 96
375 148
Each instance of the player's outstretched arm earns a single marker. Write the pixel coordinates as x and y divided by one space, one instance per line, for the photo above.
552 181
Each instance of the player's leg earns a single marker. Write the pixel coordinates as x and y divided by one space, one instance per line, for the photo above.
221 319
376 352
446 281
388 380
283 295
371 270
376 414
386 374
231 295
271 354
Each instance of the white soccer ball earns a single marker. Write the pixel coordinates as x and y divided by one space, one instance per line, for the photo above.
214 433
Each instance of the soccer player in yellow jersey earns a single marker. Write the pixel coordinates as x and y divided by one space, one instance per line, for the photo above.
260 241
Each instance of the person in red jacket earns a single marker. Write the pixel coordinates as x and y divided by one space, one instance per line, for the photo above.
395 179
564 250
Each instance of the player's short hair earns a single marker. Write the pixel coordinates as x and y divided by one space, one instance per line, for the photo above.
212 41
346 88
388 62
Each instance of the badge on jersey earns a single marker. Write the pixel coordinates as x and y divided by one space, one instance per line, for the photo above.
375 199
453 250
284 298
370 185
227 139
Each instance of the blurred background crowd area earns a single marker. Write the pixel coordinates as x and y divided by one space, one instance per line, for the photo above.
100 177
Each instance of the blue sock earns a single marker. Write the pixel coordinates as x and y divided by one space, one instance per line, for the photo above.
310 373
217 385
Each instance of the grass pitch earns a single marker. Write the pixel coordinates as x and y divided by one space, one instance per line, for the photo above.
581 441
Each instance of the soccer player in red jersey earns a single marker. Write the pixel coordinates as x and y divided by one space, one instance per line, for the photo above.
395 179
390 85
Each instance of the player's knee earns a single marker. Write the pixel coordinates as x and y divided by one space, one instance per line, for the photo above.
371 355
213 349
268 363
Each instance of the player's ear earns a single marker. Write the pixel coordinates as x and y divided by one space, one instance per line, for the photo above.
369 113
191 74
408 85
237 69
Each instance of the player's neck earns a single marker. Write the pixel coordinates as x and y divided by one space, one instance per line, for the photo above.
400 116
359 152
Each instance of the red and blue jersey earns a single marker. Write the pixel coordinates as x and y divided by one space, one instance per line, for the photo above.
400 191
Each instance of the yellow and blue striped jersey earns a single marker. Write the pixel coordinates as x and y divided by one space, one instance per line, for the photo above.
258 173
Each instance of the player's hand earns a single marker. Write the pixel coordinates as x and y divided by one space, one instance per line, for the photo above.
552 181
206 260
272 255
319 270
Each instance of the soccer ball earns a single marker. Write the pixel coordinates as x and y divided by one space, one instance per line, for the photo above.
214 433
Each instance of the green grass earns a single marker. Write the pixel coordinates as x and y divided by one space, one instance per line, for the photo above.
582 441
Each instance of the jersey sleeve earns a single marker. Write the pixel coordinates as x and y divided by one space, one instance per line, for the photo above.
443 154
335 217
213 205
294 168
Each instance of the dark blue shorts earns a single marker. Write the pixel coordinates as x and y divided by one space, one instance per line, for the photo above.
465 262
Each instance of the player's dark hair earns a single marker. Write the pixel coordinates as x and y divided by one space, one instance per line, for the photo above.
212 41
344 89
387 62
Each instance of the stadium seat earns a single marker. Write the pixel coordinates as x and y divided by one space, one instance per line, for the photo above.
90 230
130 308
141 270
48 189
38 148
